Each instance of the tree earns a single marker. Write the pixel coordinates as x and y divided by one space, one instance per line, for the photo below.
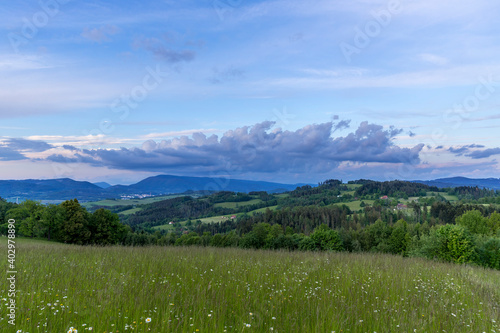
75 225
326 239
455 244
474 221
494 223
398 242
28 215
51 220
105 228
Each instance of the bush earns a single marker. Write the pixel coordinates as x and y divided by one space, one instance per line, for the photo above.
488 250
455 244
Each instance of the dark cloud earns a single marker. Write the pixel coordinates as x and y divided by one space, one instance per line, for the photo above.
13 149
30 145
8 154
69 147
484 153
158 49
257 148
460 150
341 125
411 134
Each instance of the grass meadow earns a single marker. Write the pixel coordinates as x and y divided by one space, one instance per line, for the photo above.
193 289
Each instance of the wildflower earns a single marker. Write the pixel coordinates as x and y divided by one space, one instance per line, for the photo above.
248 325
148 320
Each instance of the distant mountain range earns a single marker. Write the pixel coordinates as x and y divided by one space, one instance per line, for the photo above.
65 188
491 183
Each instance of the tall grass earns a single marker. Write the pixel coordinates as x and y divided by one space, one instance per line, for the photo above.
115 289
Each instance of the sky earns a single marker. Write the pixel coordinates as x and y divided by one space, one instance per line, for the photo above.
278 90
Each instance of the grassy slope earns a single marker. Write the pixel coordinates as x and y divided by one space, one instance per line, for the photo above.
211 290
216 219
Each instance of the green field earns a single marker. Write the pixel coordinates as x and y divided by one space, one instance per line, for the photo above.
451 198
213 219
262 210
179 289
131 211
355 205
233 205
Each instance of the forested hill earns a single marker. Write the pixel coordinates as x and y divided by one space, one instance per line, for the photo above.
487 183
67 189
330 192
395 188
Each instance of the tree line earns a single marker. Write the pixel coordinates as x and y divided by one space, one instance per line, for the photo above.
68 222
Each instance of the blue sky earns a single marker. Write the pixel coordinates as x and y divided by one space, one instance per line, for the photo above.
288 91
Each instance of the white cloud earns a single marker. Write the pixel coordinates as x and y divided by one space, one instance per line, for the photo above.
433 59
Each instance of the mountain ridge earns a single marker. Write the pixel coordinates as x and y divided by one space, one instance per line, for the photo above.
67 188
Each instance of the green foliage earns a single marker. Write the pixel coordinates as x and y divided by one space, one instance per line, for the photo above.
105 228
307 244
474 221
493 223
326 239
399 239
455 244
488 249
75 226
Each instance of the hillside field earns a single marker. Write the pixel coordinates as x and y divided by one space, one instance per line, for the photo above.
196 289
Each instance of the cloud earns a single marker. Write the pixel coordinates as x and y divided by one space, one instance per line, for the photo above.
433 59
13 149
158 49
29 145
260 148
8 154
343 124
484 153
230 73
460 150
100 34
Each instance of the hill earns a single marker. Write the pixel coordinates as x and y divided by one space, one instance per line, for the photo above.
489 183
166 184
66 189
50 189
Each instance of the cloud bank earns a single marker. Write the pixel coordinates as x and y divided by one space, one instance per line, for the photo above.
259 148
